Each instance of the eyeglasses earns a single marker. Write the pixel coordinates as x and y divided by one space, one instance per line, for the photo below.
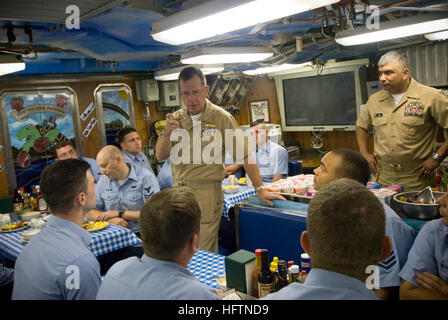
194 93
66 155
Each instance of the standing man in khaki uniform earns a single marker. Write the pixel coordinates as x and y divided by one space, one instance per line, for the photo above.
405 116
202 123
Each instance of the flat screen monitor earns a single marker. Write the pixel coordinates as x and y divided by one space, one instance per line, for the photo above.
324 102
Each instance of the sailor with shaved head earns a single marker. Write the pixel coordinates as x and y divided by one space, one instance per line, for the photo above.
122 189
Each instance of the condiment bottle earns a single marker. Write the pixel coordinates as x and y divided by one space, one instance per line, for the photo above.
303 275
17 201
294 272
266 279
256 272
282 276
41 203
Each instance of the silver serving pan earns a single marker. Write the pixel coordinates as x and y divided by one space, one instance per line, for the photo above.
418 211
297 197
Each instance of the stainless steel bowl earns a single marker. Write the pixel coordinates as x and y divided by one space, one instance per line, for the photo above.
415 210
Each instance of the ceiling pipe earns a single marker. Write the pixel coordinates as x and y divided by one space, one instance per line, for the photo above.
393 9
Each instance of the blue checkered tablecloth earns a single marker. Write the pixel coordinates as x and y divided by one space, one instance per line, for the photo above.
206 267
107 240
231 199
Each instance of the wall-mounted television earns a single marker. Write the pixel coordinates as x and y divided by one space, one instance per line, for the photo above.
321 101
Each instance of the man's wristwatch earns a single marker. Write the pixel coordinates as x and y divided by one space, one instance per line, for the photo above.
120 213
435 156
259 188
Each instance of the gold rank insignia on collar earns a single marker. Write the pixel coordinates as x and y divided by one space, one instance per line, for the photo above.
209 126
414 109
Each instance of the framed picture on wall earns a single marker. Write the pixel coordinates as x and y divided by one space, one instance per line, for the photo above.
34 121
259 110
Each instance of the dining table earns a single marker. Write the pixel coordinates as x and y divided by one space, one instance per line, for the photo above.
206 266
231 199
103 241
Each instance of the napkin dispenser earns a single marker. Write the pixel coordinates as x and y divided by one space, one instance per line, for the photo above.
239 268
6 205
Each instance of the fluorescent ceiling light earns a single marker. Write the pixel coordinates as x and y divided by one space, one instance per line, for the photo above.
278 68
442 35
394 29
217 17
173 73
10 63
213 55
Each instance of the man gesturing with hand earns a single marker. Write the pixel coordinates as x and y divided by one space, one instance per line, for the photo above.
204 123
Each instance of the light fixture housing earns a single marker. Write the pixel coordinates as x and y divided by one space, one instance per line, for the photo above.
394 29
441 35
218 17
173 73
278 68
214 55
10 63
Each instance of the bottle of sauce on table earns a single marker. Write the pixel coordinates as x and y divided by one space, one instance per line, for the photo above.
256 272
266 279
294 272
274 269
282 277
17 201
41 203
303 275
305 262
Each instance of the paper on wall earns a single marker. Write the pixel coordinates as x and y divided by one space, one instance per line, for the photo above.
88 111
89 127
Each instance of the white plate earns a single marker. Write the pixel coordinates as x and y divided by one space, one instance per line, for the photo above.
27 216
231 191
99 229
26 225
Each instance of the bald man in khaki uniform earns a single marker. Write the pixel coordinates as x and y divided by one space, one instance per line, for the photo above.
203 123
405 116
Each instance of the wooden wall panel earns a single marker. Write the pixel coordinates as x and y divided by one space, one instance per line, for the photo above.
331 140
85 95
263 88
141 125
3 180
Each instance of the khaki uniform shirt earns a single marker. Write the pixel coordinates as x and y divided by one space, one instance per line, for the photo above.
406 131
203 136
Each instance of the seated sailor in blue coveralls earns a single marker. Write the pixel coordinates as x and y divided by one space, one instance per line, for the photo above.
131 145
122 189
165 176
272 158
353 222
345 163
57 263
170 223
425 274
64 150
